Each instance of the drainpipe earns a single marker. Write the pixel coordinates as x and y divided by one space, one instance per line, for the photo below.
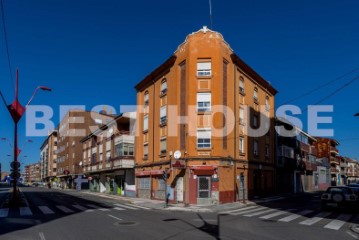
235 135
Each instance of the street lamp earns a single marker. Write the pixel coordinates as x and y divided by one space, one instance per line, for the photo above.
16 111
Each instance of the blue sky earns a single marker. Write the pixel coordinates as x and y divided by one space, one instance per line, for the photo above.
94 52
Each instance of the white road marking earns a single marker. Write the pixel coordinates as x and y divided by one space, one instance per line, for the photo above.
273 215
118 208
25 211
42 236
104 209
315 219
139 206
81 208
115 217
125 206
64 209
46 210
4 212
295 216
339 222
238 210
249 211
352 234
259 213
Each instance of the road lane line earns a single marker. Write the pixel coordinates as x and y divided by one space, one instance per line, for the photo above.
315 219
25 211
136 206
248 211
42 236
295 216
115 217
238 210
352 234
46 210
104 209
339 222
4 212
64 209
125 206
276 214
259 213
118 208
82 208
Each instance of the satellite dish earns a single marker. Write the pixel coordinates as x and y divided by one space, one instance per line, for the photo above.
177 154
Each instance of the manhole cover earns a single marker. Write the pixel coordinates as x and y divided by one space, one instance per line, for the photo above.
125 223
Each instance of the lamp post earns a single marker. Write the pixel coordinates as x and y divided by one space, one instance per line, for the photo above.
16 111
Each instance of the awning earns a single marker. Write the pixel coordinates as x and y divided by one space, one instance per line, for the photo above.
149 172
203 169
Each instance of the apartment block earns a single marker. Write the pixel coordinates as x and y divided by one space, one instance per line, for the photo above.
74 126
48 157
199 114
108 157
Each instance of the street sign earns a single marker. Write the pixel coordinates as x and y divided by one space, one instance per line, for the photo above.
13 165
15 175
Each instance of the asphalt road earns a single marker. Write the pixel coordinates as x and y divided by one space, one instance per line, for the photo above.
55 214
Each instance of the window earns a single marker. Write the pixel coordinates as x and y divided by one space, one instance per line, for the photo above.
101 157
146 98
145 123
145 151
241 85
108 156
163 145
93 158
267 150
164 87
255 121
204 138
124 149
241 145
267 104
203 69
203 102
241 115
255 148
163 115
255 95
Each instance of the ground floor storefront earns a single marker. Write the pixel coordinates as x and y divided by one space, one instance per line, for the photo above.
118 182
204 182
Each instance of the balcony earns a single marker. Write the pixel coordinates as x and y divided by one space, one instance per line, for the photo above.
333 170
334 160
124 137
334 150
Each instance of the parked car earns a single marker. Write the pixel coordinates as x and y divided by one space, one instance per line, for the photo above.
34 184
339 197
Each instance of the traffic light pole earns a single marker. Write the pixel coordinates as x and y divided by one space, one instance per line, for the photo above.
165 180
14 196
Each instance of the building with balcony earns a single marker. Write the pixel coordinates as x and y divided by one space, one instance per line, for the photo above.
108 157
48 157
327 148
33 172
297 167
74 126
352 170
194 114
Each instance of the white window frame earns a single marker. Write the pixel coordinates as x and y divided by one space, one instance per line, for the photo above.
164 87
204 98
241 85
241 144
204 134
146 98
163 114
241 115
145 123
204 69
267 104
255 94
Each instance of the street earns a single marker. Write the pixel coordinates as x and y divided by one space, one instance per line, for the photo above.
58 214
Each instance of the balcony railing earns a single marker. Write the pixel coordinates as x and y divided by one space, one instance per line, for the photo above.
334 150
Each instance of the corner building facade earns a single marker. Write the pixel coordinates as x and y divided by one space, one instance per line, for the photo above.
195 113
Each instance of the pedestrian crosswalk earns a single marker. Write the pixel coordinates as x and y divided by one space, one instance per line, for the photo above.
68 209
304 217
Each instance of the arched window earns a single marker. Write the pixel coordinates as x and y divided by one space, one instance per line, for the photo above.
241 85
146 98
164 87
255 95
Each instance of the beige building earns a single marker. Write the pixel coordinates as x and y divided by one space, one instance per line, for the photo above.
48 157
195 112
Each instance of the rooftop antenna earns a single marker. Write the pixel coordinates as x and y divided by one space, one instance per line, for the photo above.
210 14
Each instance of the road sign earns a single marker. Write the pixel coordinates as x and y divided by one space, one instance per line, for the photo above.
14 165
15 175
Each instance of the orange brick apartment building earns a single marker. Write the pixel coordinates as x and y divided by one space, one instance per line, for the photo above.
207 160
